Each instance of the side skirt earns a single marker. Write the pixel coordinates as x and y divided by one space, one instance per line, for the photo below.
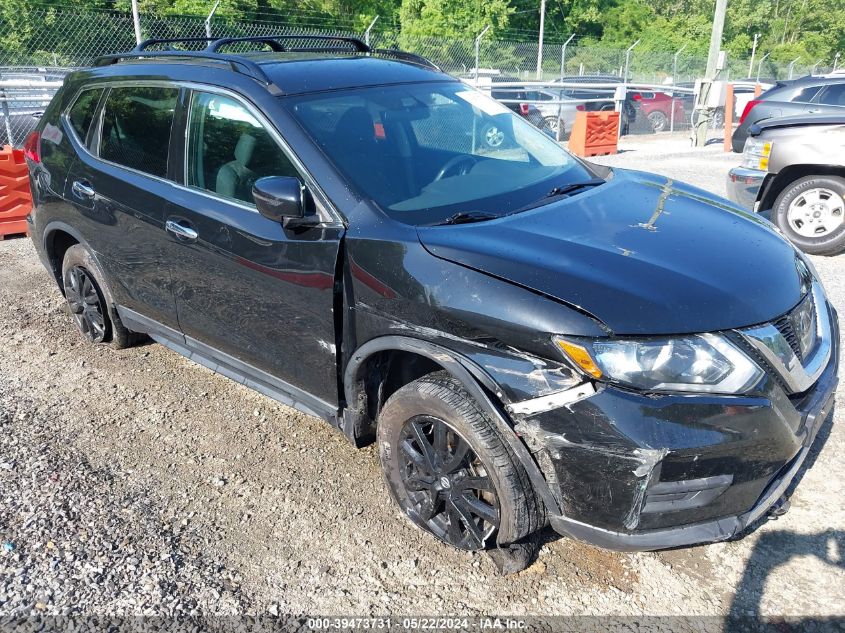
229 366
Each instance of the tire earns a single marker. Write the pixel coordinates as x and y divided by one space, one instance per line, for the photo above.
90 303
811 213
475 470
551 123
658 121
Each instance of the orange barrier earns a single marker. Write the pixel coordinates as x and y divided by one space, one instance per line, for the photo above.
15 197
594 133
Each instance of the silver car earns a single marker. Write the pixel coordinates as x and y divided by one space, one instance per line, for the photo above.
793 171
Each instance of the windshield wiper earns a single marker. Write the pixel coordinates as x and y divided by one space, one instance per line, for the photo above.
466 217
574 186
563 190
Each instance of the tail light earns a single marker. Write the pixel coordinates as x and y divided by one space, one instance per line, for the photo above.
636 96
523 109
32 147
748 107
580 107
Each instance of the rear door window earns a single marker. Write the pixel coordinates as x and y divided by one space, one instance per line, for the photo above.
82 112
136 127
832 95
805 95
229 149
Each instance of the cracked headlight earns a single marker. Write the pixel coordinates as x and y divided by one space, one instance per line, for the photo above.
703 363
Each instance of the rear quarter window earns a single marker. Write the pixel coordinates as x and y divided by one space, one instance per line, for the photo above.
82 111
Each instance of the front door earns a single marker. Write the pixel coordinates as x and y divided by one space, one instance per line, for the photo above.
250 293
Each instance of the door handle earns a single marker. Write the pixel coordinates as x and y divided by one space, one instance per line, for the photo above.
181 231
814 110
83 189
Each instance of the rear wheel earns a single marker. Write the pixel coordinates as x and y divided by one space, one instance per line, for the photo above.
811 213
89 301
450 471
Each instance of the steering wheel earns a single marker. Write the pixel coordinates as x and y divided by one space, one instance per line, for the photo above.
468 160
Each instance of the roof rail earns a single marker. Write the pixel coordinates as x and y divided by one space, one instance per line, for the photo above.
247 66
406 57
173 40
236 63
275 42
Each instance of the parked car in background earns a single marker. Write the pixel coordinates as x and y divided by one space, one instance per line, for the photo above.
793 171
657 108
515 97
363 237
587 97
808 95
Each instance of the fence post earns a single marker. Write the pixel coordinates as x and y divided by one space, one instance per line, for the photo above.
760 65
136 21
369 28
628 59
563 56
208 19
478 50
729 115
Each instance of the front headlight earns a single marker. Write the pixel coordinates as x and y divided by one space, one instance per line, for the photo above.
755 153
701 363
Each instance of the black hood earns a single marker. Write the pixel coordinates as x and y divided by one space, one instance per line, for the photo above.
641 253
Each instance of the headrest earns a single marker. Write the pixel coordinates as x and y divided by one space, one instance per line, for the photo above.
244 149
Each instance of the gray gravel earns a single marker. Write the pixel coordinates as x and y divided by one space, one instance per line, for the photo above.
136 482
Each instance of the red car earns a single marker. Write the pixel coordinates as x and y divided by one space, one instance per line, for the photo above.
657 107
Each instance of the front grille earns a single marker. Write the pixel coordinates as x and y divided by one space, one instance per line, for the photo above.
787 329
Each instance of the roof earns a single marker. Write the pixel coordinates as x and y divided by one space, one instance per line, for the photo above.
335 72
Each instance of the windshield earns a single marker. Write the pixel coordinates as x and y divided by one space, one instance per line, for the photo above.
424 152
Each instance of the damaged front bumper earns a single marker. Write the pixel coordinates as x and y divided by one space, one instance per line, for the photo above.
633 471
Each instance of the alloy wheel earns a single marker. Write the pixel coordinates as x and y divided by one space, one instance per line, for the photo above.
448 487
816 212
658 121
85 303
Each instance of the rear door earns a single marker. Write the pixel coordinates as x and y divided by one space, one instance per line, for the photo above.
119 187
251 294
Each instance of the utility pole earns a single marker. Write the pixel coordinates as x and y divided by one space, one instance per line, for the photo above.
705 111
136 21
753 52
540 40
835 62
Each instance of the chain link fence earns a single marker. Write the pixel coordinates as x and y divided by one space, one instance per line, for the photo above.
44 41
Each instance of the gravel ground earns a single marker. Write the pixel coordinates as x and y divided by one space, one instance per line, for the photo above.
136 482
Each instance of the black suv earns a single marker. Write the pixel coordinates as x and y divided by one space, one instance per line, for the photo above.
528 337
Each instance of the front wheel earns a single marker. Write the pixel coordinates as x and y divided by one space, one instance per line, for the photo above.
449 469
811 213
658 121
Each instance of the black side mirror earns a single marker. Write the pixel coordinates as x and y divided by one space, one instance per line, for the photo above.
283 199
